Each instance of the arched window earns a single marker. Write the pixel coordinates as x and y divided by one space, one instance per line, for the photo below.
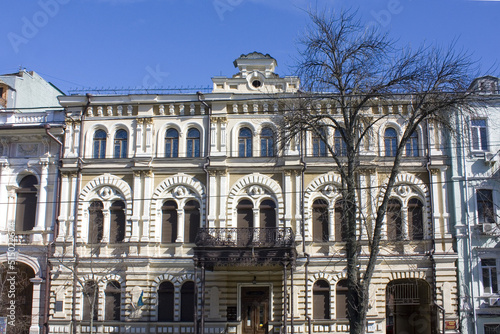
340 146
320 220
245 222
193 143
99 144
90 300
120 144
113 301
390 142
187 301
26 203
341 299
412 145
117 220
171 143
340 221
245 143
96 222
415 219
394 222
169 222
166 302
319 145
267 213
267 143
408 307
192 221
17 279
245 214
321 300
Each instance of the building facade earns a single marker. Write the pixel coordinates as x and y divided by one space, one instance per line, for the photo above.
475 180
183 214
31 129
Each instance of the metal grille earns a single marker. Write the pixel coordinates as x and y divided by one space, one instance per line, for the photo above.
406 293
245 237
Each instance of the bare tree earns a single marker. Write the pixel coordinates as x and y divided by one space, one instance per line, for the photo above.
87 270
16 292
354 69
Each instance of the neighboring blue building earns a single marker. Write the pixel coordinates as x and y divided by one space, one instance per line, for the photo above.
475 183
30 126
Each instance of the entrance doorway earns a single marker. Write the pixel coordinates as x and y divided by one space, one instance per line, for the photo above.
408 307
254 309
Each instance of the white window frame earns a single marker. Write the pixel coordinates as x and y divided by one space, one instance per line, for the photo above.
490 275
478 139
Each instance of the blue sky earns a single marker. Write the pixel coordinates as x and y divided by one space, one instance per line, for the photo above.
183 43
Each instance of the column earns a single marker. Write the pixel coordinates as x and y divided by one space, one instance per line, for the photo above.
146 206
136 207
213 134
368 192
222 199
287 190
63 218
363 204
35 308
72 214
298 206
180 225
76 140
404 222
4 175
138 137
256 220
445 213
213 199
69 140
223 136
148 122
11 207
41 209
106 222
331 223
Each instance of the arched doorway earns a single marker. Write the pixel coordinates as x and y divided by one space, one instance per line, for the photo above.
16 300
408 307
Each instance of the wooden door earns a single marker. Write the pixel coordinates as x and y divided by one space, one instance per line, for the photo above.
255 310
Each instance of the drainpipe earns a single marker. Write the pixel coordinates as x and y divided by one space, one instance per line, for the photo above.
208 146
56 230
77 201
433 241
285 304
308 317
303 231
292 314
467 217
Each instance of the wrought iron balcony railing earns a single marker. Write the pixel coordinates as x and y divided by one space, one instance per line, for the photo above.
245 237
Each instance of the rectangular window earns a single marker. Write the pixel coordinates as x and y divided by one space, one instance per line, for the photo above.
492 329
485 207
489 271
59 306
479 135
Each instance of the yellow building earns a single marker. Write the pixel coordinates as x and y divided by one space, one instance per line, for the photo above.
181 213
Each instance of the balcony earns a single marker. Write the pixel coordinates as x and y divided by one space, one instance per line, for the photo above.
244 246
245 237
